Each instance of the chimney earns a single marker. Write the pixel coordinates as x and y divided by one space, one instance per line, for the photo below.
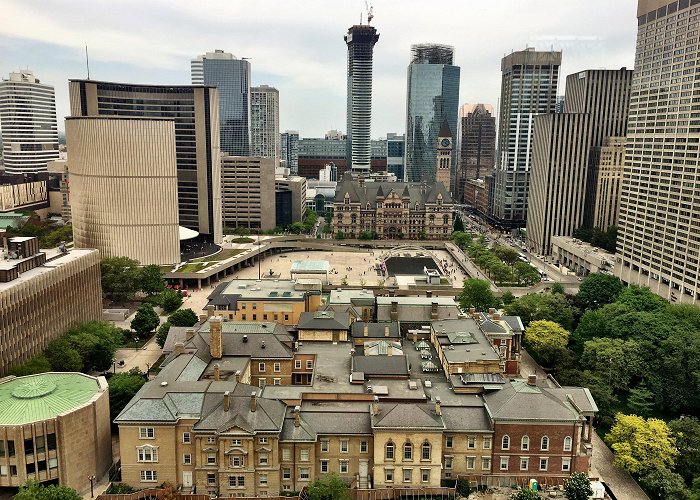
217 372
532 380
227 401
253 401
491 310
202 318
375 406
472 310
365 331
496 316
210 311
189 334
215 346
297 416
179 348
386 331
428 293
389 350
238 375
438 410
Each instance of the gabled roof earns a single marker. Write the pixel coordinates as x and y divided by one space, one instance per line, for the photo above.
323 320
375 330
422 193
445 130
466 418
407 416
267 417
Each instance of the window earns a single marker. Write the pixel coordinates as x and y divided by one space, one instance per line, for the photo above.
389 451
261 367
147 454
449 440
211 458
325 445
364 447
487 442
343 446
39 443
505 443
304 455
524 463
186 438
504 463
255 316
276 381
240 481
425 475
262 440
408 451
471 442
566 464
277 367
297 364
3 469
544 444
211 440
262 459
309 364
2 448
304 473
286 454
187 459
448 462
324 466
150 476
286 473
235 442
471 463
11 446
235 461
407 473
425 451
525 443
543 463
211 478
344 467
146 433
53 463
567 443
255 306
388 475
262 479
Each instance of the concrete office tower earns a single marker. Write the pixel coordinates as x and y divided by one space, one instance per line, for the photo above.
559 169
360 41
248 192
432 97
196 114
608 164
28 123
528 88
123 184
477 148
289 150
265 122
660 200
232 77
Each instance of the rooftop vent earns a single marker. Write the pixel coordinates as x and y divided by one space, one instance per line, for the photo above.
245 338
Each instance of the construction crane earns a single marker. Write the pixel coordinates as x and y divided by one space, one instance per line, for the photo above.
370 15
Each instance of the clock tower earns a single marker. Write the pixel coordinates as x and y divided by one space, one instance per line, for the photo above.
443 157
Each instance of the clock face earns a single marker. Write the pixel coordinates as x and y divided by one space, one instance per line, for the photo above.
445 143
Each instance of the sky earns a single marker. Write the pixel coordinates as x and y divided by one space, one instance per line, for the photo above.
297 46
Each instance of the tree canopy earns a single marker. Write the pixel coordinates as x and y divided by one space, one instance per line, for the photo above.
162 333
578 487
145 321
538 306
170 300
641 446
599 289
151 280
123 387
183 317
120 278
33 490
329 487
547 338
477 293
87 346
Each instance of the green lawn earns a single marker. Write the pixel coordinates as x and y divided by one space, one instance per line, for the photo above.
242 240
222 255
192 267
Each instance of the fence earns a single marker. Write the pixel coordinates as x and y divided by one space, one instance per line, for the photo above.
151 494
404 493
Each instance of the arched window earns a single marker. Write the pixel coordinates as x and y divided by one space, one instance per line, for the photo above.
389 451
408 451
368 205
525 443
432 219
425 451
567 443
544 445
505 442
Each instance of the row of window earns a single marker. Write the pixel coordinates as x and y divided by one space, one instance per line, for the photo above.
471 442
277 367
543 464
525 443
407 475
425 451
275 317
38 444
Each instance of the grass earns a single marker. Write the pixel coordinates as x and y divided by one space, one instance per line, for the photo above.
242 239
222 255
191 267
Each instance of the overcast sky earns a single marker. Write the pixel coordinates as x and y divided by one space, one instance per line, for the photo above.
298 47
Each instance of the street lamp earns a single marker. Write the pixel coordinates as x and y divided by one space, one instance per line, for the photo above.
92 491
114 365
148 370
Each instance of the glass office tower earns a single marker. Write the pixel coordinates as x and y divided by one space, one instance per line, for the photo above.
432 98
232 77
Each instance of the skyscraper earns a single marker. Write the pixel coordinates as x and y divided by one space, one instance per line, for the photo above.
289 149
196 115
477 132
528 88
360 41
657 243
232 76
28 122
432 97
265 122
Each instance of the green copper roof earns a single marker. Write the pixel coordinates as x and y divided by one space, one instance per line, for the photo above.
39 397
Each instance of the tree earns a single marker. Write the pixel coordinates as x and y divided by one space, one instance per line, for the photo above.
366 235
37 364
557 288
421 234
170 300
509 255
461 239
330 487
525 494
458 224
122 388
578 487
663 483
162 333
183 317
477 293
526 274
501 272
507 297
464 488
33 490
145 321
120 278
296 228
641 446
62 356
538 306
339 235
686 432
152 282
599 289
547 338
616 359
641 401
641 298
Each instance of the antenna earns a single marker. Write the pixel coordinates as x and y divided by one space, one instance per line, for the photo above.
87 61
370 15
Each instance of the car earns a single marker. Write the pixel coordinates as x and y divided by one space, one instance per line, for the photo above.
580 278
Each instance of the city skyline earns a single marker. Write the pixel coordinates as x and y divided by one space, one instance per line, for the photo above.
306 60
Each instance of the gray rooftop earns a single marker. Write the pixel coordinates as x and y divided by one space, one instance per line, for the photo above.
466 418
351 296
323 320
407 416
375 330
